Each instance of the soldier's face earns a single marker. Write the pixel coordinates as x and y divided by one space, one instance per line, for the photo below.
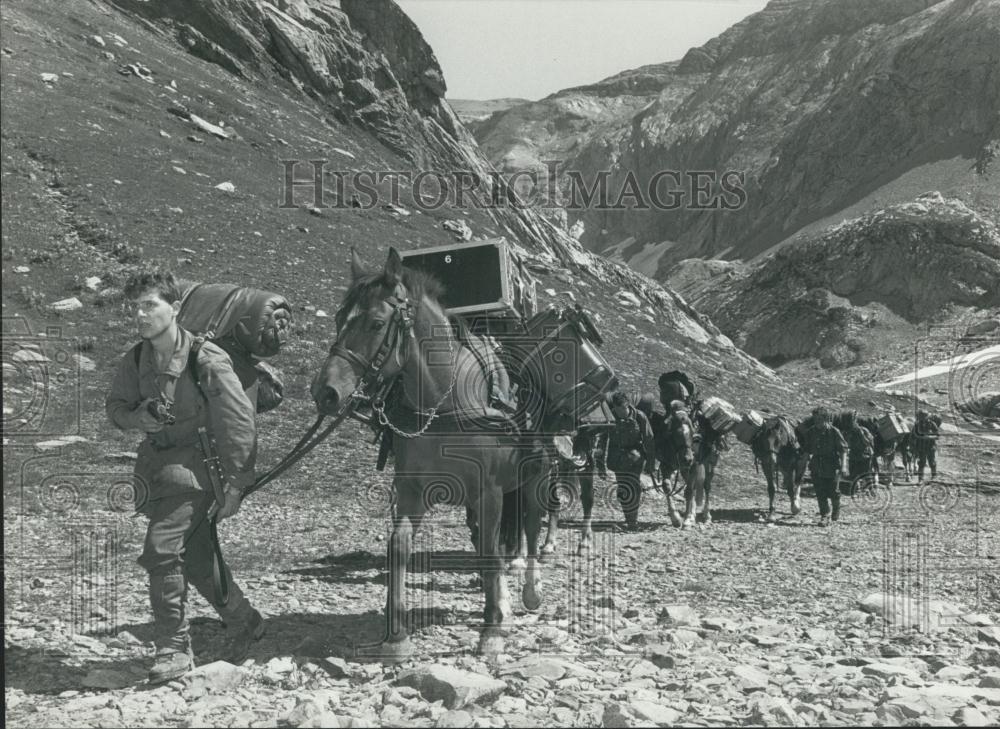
153 315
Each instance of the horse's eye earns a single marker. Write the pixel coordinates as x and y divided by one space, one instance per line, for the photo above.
377 325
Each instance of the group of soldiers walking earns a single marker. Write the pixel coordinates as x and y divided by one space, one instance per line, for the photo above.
174 388
645 440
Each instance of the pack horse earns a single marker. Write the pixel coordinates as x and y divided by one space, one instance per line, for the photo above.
427 381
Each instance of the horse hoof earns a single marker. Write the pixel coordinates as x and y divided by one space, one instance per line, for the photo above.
584 547
391 653
771 518
517 565
506 611
476 583
530 598
687 524
675 521
490 645
796 508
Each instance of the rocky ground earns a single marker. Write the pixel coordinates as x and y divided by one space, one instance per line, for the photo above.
889 617
737 623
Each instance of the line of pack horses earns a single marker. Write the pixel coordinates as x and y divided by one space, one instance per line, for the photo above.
452 447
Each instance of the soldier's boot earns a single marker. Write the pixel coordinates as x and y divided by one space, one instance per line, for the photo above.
632 519
244 624
174 658
824 510
835 509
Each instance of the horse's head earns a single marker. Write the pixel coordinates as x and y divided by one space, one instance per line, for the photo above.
374 330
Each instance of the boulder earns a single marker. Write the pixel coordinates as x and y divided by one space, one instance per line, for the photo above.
70 304
971 716
654 712
215 677
749 679
457 719
773 711
452 686
903 612
678 615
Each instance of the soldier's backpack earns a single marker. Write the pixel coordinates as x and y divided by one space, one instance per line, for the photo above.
247 323
683 379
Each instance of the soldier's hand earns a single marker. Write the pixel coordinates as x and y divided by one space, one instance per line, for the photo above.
143 420
234 497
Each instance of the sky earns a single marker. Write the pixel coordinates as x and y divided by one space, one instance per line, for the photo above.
491 49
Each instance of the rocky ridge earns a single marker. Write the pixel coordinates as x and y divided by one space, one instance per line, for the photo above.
795 97
825 295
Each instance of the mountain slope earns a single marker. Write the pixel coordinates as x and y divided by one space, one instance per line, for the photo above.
105 166
822 104
844 295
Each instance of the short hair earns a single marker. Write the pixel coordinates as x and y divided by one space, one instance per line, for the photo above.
160 281
646 403
822 415
921 414
619 399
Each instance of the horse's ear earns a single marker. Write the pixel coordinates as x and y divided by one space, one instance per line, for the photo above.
393 267
357 268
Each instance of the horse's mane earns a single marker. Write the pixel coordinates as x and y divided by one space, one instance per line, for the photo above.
783 428
369 287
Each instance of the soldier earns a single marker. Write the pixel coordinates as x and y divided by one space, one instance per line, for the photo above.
672 388
860 448
657 423
828 451
925 435
629 452
155 391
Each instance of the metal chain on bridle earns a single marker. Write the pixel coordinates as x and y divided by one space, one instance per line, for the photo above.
398 337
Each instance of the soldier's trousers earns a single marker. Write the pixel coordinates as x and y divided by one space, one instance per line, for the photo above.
178 553
926 456
629 490
827 493
858 467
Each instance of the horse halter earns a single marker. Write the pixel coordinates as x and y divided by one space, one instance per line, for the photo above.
399 328
372 386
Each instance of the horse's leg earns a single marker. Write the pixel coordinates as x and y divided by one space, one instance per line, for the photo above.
531 596
770 475
490 506
552 506
586 483
888 466
675 518
800 467
409 511
472 521
690 485
512 532
792 487
709 475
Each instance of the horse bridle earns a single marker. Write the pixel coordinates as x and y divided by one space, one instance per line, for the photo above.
373 386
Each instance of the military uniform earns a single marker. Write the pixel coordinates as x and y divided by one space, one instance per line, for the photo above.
827 448
925 435
629 450
171 473
861 450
